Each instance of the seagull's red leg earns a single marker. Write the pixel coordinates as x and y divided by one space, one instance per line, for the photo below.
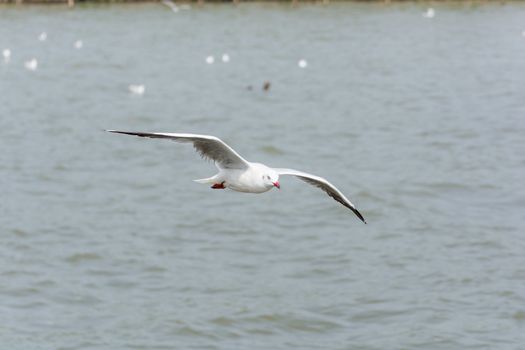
218 186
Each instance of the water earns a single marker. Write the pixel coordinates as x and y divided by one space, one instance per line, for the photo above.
106 243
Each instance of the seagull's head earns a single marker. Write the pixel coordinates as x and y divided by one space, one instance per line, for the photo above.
271 179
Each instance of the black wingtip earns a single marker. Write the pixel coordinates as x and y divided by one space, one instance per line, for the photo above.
356 212
132 133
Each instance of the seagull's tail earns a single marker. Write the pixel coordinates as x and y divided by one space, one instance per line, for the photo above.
209 180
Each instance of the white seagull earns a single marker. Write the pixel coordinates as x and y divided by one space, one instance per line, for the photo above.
240 175
7 55
430 13
171 5
137 89
32 64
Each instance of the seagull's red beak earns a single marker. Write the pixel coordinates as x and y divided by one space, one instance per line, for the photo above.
276 184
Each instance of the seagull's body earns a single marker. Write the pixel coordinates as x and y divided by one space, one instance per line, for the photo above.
137 89
31 64
240 175
430 13
7 55
171 5
249 180
42 36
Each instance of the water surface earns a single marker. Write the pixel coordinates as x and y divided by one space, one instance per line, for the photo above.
106 243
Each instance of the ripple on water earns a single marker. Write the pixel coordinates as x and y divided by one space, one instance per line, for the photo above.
439 183
20 292
20 232
281 322
194 332
18 273
155 269
272 150
313 272
519 316
31 305
446 186
121 283
81 299
378 315
82 257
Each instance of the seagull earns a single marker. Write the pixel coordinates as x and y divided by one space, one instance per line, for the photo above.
42 36
210 59
238 174
430 13
171 5
7 55
31 64
137 89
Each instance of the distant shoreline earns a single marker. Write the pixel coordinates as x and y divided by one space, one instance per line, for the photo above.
73 2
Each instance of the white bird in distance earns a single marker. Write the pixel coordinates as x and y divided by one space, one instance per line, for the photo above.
240 175
7 55
171 5
32 64
137 89
430 13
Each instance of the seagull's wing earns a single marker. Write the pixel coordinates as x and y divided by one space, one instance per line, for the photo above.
324 185
209 147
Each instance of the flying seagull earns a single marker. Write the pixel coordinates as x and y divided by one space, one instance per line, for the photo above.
240 175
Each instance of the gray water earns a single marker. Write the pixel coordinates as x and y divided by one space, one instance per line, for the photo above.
106 243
